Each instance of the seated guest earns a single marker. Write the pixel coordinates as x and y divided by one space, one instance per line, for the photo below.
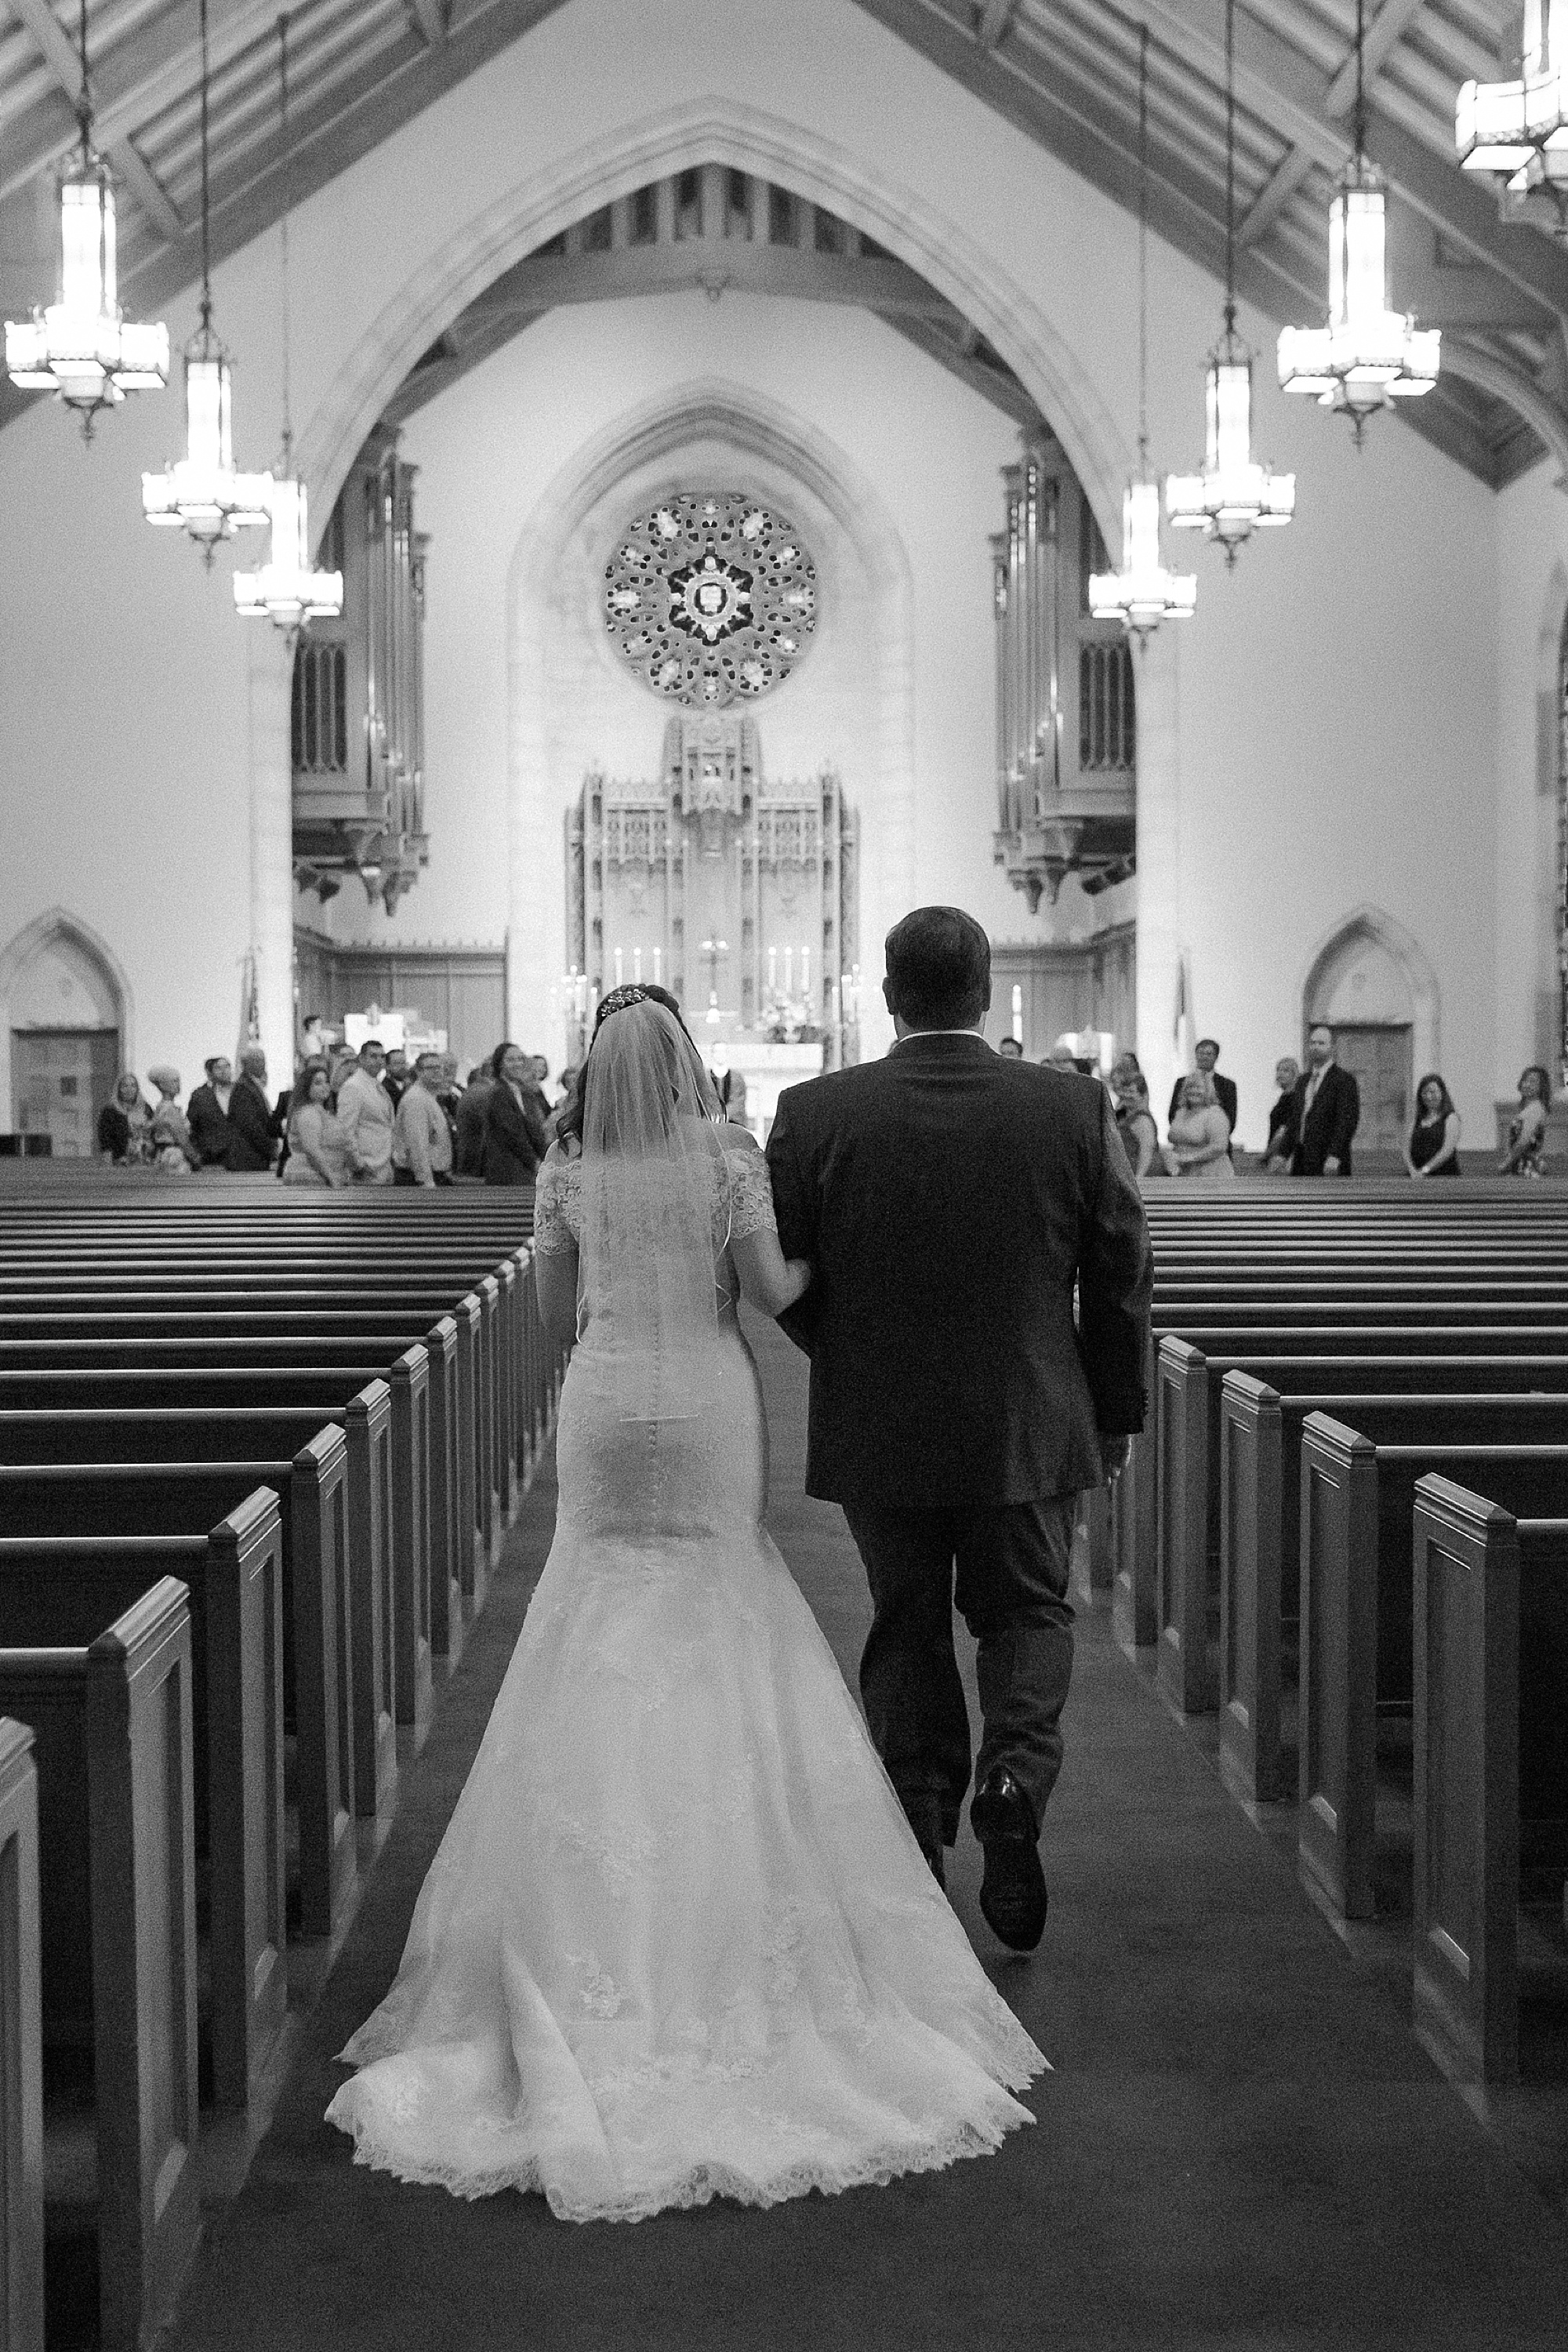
1328 1110
421 1139
171 1134
318 1150
365 1111
1206 1055
125 1126
1134 1120
469 1162
252 1144
1526 1153
1200 1132
208 1114
1434 1146
515 1140
1280 1146
1011 1048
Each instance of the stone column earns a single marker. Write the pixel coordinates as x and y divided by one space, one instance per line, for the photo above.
272 845
1159 860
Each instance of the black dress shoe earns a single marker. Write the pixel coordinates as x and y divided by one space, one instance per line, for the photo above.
1013 1892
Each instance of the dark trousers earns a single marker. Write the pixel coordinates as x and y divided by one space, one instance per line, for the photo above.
406 1176
1006 1567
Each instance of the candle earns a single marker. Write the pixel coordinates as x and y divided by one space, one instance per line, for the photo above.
773 969
593 998
636 964
805 972
658 960
789 971
1018 1013
619 974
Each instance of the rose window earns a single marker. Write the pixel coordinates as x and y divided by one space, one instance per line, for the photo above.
711 599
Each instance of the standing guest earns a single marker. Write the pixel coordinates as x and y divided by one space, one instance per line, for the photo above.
318 1153
515 1140
1434 1146
1200 1132
1328 1110
1526 1153
313 1046
469 1166
449 1094
1280 1146
1061 1057
1206 1057
125 1125
172 1147
252 1139
1135 1121
365 1114
343 1063
208 1114
421 1139
1011 1049
396 1077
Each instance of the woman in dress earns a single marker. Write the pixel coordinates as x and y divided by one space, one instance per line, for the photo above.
1526 1153
1434 1146
318 1148
1135 1121
679 1940
170 1133
1200 1133
1284 1119
125 1125
515 1112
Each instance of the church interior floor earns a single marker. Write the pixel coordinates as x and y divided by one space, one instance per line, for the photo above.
1241 2144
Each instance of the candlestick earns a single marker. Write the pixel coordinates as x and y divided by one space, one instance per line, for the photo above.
1018 1013
773 971
789 971
805 972
619 974
636 964
657 962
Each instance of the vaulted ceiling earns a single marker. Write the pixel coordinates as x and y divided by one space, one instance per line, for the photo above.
1063 71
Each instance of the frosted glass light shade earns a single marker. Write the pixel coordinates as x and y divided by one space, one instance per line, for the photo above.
1519 129
80 347
1233 497
1142 593
288 590
201 493
1367 354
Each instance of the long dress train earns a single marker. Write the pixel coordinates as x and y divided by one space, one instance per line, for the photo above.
679 1940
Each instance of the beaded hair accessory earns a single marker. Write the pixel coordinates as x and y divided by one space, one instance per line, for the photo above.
617 1001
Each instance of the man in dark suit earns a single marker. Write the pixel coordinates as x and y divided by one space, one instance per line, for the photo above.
251 1144
207 1113
1328 1110
948 1200
1206 1055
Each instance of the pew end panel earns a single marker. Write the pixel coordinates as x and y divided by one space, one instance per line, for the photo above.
1337 1786
21 2049
444 1515
408 1377
372 1620
1251 1474
1180 1411
323 1682
1465 1564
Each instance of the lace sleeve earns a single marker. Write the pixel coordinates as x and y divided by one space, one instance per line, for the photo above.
552 1228
751 1195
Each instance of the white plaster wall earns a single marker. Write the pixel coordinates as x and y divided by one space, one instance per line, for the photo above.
1323 735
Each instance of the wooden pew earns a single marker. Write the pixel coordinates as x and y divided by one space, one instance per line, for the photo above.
1357 1604
21 2039
112 1724
55 1589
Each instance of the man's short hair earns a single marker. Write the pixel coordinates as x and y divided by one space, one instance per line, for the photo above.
1010 1046
209 1066
938 968
1207 1040
251 1054
428 1056
371 1045
1326 1026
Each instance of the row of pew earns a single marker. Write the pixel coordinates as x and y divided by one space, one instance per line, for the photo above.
1346 1526
259 1451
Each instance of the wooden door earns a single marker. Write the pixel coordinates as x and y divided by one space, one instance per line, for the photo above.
60 1080
1378 1057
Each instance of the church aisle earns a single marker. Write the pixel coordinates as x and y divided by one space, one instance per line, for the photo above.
1241 2144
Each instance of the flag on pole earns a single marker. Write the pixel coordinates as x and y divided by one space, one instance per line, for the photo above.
249 1005
1185 1020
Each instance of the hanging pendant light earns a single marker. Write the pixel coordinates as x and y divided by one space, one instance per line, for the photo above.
1142 593
288 590
1233 497
80 347
1367 355
1519 130
201 493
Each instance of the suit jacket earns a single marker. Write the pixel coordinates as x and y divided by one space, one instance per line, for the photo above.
1224 1094
515 1140
1283 1120
209 1128
948 1201
1324 1132
250 1142
469 1155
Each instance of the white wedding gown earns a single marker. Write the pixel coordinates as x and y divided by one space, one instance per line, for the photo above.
679 1940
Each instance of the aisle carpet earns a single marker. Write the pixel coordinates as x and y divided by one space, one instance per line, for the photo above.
1241 2145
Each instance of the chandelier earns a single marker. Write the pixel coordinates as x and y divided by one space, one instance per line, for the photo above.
201 493
1233 497
1142 593
288 590
80 347
1367 355
1519 130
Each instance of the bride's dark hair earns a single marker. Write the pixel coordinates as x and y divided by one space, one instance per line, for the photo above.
569 1117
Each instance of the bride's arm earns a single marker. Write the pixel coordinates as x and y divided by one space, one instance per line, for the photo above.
555 1275
770 1280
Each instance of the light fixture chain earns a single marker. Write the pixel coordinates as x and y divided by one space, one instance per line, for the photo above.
1360 83
283 226
206 218
1230 166
1143 248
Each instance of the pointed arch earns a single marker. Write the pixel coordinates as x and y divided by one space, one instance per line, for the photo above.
56 926
1368 925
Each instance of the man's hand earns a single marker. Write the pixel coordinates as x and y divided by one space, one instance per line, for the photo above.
1114 1454
1330 1166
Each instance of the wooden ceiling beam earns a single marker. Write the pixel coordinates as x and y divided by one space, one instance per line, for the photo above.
433 18
716 265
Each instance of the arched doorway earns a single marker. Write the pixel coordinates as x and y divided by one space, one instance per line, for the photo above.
1372 984
64 1028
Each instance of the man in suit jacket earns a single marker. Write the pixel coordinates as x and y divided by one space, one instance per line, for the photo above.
251 1143
949 1200
1206 1055
1328 1110
207 1113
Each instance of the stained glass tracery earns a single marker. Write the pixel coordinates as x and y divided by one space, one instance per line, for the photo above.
710 598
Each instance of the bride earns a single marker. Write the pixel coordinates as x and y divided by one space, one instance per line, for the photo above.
679 1940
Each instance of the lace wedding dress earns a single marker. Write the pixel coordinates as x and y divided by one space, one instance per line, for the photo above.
680 1941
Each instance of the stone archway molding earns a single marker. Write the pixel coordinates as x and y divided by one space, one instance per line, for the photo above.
1369 926
764 431
33 941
